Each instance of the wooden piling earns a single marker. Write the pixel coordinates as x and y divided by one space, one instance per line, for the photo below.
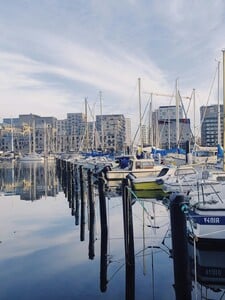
82 211
128 240
104 233
91 202
180 247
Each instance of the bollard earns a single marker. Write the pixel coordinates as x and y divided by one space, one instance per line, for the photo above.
104 233
128 241
91 252
180 247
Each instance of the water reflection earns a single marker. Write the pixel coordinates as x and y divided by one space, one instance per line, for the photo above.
66 242
207 271
31 180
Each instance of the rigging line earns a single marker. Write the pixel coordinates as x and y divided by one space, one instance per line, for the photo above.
140 202
210 91
90 110
139 124
168 119
119 268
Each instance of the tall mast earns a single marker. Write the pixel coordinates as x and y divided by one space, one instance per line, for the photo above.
86 125
223 105
194 117
218 99
150 123
12 144
102 137
140 124
177 115
34 137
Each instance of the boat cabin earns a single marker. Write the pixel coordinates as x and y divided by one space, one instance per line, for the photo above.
141 164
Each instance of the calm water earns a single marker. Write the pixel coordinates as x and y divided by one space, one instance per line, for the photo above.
49 248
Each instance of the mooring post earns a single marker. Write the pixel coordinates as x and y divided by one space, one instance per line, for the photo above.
128 240
82 210
104 233
91 252
68 184
178 221
72 190
77 206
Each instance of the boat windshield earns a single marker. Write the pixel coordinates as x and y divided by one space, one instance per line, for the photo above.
163 172
180 172
205 153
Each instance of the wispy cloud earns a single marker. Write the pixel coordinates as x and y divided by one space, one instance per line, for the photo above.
55 54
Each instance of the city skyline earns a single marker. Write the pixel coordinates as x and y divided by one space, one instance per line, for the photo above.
54 54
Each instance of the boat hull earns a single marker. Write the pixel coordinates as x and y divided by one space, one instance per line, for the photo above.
207 224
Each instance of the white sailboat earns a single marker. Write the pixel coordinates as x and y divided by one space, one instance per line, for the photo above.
207 210
32 156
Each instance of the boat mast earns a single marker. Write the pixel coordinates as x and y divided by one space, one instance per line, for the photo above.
12 144
34 137
150 123
140 124
218 99
223 105
86 125
102 138
194 116
177 115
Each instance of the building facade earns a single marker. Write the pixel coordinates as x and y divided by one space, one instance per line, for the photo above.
209 125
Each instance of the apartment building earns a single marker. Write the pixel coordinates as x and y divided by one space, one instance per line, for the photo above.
209 125
167 127
112 132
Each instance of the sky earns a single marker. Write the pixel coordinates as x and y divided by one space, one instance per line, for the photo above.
54 54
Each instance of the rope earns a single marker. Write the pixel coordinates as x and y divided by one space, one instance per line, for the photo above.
210 91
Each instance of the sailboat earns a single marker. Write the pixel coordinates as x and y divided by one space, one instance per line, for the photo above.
32 156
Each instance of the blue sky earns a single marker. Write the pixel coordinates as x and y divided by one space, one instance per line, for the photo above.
54 53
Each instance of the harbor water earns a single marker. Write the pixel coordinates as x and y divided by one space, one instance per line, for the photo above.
53 244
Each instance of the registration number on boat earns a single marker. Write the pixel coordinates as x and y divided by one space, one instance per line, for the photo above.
211 220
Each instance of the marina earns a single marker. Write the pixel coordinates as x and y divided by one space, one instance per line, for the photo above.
64 236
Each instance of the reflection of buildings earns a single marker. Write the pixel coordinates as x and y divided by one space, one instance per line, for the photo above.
31 181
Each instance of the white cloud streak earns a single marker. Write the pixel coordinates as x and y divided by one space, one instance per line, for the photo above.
54 56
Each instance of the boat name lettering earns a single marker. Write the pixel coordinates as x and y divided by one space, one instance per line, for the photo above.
212 220
216 272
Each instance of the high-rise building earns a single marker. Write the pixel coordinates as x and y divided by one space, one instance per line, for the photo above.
209 125
111 129
167 128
